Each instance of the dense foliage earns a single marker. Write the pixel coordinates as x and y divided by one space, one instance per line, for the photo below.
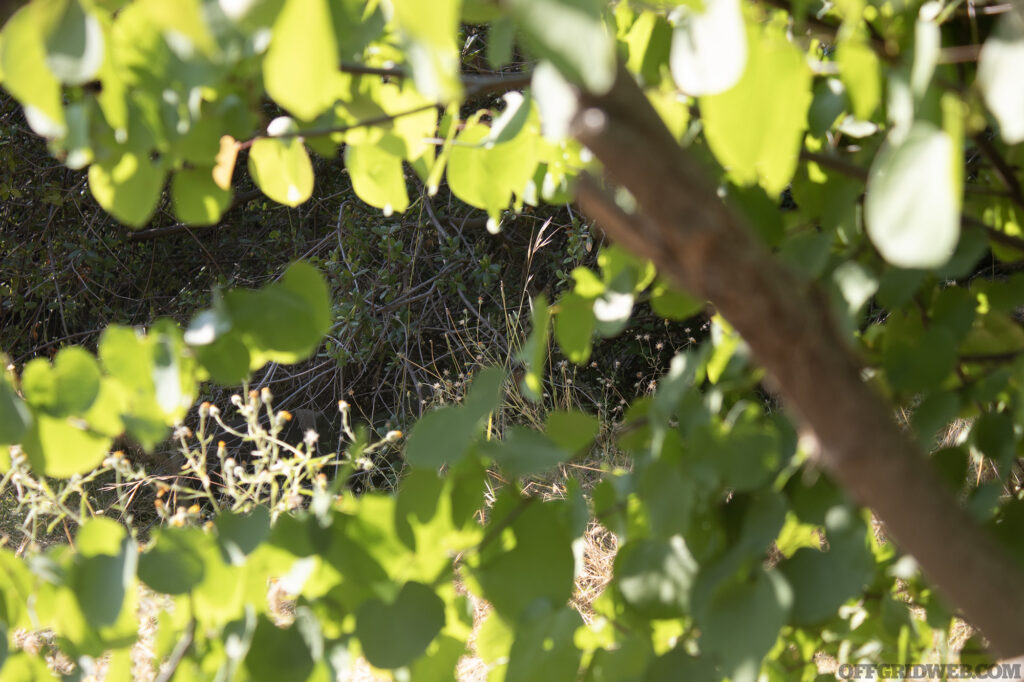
859 139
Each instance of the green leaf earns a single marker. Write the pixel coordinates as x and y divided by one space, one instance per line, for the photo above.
919 362
395 634
763 149
67 389
444 436
655 576
571 430
649 41
824 580
377 177
588 284
77 380
301 65
673 304
543 648
709 48
911 206
999 67
501 38
993 434
935 413
100 582
174 563
743 620
240 534
281 167
25 73
285 321
574 326
197 198
62 448
540 565
226 359
535 351
525 452
589 58
992 334
75 45
185 18
430 31
277 654
15 417
127 186
861 73
486 175
100 535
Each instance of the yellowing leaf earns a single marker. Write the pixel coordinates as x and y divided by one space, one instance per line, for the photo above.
225 162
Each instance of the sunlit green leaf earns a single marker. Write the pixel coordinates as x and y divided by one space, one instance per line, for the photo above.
75 45
487 176
999 67
539 567
430 31
860 71
765 148
377 177
587 59
281 167
655 577
301 62
912 208
574 327
709 48
26 75
62 447
197 198
127 186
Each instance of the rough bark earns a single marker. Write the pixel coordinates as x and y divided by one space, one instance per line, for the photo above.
696 241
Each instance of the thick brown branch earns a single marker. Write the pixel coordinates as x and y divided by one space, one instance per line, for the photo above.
696 241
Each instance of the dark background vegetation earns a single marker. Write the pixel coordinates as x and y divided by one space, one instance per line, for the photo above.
421 300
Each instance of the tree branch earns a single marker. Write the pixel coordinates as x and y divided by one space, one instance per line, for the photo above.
697 242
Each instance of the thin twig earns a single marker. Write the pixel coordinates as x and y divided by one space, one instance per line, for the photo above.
178 655
1006 173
